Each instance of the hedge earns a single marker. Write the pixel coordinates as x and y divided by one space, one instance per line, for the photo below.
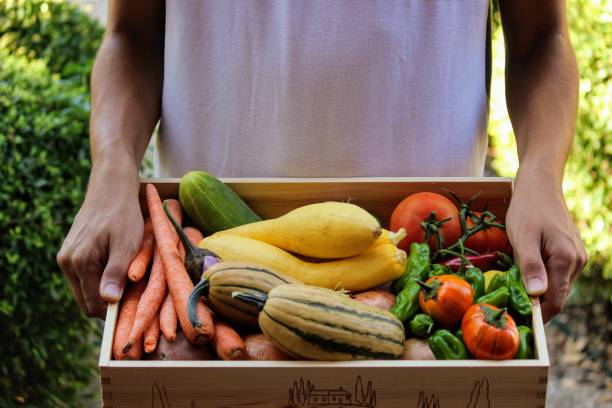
48 346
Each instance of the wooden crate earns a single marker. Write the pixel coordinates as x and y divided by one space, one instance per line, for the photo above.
421 384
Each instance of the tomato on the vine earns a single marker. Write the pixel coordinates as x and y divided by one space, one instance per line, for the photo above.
417 208
489 239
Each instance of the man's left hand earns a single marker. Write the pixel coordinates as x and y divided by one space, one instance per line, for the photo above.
546 242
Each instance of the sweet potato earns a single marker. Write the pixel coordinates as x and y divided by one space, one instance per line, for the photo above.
180 349
259 347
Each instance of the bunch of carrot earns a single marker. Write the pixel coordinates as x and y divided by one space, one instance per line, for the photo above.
159 304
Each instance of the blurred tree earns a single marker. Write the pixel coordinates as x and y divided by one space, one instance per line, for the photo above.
55 31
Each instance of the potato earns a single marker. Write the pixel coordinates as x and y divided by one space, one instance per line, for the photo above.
376 298
180 349
259 347
417 349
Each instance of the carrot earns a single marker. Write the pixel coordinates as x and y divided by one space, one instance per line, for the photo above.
179 282
194 235
167 319
151 337
138 266
156 290
127 312
227 343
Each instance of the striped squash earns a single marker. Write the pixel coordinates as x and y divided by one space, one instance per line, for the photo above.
223 278
314 323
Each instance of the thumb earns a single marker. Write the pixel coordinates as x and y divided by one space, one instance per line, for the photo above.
115 274
532 267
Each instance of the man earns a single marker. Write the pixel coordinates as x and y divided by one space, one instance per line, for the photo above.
325 88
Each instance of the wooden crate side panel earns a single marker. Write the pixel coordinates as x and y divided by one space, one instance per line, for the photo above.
299 387
274 197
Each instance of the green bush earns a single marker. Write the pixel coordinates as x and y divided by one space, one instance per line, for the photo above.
46 341
46 52
54 31
586 185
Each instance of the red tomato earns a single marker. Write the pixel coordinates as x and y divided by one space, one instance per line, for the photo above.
488 240
415 209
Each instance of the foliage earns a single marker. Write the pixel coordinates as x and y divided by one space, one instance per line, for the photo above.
46 356
54 31
46 49
587 186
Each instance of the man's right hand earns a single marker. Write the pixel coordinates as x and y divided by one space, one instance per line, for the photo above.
104 237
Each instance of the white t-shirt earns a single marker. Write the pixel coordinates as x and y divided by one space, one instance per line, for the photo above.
324 88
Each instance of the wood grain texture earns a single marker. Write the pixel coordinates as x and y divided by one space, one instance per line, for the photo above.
391 383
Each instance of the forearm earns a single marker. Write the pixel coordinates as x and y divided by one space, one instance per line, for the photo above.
542 97
126 99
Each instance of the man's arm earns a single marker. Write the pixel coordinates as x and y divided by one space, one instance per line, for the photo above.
126 99
542 97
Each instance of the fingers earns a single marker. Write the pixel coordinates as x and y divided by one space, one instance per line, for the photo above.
582 257
115 273
80 270
562 263
530 262
63 260
89 288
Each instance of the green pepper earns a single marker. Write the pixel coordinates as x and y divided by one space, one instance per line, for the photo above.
459 334
475 277
439 269
407 301
445 346
421 325
498 298
417 266
525 350
519 299
498 281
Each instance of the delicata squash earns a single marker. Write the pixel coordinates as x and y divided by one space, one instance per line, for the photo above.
221 279
313 323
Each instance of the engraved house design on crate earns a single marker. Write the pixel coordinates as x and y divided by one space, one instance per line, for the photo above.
306 395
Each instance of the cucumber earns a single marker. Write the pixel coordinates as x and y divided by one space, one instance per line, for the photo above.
211 205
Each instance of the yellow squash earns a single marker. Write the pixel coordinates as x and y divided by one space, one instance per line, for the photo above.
390 237
371 268
326 230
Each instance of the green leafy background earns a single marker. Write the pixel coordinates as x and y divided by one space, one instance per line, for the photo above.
47 348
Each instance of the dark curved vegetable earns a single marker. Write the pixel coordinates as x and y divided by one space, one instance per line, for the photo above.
195 258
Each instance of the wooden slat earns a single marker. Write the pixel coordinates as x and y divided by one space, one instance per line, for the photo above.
282 386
